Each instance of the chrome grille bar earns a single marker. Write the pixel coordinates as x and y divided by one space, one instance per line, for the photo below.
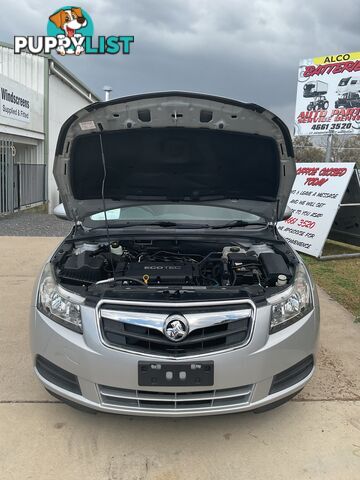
138 327
141 399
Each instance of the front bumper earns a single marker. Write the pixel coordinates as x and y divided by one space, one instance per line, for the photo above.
108 378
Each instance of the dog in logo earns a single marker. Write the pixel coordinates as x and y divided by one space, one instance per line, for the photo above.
69 21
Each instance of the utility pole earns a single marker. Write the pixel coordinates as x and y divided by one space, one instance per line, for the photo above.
329 148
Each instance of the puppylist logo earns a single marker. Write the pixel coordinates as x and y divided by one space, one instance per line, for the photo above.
70 31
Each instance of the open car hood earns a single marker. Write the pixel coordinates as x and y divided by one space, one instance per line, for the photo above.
174 147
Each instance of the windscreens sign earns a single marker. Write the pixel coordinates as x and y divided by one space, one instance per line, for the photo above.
328 95
14 102
20 106
315 199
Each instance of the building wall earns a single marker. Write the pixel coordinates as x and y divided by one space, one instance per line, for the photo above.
63 102
22 129
36 79
25 68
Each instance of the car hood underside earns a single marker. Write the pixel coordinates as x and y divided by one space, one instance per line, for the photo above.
174 147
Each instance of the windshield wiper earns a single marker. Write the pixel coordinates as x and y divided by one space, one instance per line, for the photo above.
238 223
163 224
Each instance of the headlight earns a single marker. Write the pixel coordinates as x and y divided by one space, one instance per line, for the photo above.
293 304
57 304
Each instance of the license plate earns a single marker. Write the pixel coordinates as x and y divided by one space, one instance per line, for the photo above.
192 374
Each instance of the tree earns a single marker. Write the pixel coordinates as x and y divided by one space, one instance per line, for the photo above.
344 148
348 149
306 151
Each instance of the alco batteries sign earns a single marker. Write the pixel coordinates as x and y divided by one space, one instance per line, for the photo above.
328 95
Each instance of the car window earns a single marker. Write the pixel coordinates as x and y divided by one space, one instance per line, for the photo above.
179 213
344 81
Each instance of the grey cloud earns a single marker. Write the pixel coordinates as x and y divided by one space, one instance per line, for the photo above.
247 50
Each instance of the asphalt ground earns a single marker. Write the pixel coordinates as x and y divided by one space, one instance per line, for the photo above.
26 224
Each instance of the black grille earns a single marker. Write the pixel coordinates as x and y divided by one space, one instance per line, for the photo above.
152 341
292 375
56 375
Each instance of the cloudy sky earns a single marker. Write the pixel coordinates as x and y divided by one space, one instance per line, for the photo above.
248 50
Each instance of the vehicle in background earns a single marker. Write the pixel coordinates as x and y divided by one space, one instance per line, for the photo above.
315 89
348 100
348 85
319 103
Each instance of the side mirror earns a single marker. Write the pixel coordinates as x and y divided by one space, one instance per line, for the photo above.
287 214
59 212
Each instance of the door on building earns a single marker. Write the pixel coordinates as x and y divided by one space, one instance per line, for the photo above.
22 174
7 185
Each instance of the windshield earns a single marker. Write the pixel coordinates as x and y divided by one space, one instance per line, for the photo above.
199 214
344 81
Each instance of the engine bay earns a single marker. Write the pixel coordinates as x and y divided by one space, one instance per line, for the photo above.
172 263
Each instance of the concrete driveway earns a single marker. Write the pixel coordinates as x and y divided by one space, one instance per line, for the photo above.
315 436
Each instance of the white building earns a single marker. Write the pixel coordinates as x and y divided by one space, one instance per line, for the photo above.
37 94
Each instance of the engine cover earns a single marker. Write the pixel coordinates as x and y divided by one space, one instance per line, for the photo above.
161 272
